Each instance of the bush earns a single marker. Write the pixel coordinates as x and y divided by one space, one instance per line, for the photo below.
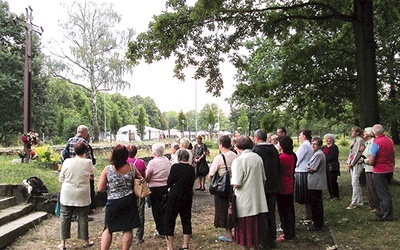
343 142
46 155
57 140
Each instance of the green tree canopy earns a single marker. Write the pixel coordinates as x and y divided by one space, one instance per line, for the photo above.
201 35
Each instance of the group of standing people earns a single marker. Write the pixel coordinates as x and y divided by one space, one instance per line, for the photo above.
374 153
263 176
258 185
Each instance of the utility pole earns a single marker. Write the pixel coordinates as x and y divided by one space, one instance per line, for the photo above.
29 26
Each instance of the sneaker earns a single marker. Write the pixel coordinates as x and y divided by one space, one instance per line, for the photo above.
351 206
224 239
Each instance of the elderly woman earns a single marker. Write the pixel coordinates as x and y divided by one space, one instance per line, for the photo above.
200 152
248 178
355 167
180 199
303 153
220 163
184 143
121 208
156 175
331 151
372 194
316 183
75 194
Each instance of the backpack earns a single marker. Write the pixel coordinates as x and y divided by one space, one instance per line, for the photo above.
36 186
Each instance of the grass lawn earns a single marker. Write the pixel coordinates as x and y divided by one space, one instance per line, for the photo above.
352 229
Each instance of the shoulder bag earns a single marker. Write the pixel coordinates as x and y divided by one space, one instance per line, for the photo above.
140 186
221 185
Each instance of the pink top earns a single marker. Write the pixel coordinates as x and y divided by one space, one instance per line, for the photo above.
157 171
139 164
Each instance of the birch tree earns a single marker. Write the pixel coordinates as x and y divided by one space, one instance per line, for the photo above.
93 51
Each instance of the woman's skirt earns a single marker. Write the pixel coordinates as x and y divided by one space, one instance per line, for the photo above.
221 212
122 214
301 188
249 230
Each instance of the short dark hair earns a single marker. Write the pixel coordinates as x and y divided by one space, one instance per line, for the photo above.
283 129
225 141
80 148
261 134
318 141
286 143
182 155
244 142
132 149
306 133
176 146
119 156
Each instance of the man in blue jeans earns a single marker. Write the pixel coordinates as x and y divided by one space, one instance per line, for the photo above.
381 158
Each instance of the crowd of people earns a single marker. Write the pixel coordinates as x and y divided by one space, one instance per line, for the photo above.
266 176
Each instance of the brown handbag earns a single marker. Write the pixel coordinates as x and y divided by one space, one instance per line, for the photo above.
140 186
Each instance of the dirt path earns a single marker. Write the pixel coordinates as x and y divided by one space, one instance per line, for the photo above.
46 235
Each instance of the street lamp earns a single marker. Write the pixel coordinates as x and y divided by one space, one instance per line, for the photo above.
183 128
195 104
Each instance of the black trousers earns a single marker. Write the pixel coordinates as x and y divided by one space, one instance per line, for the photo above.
269 236
333 186
286 215
158 213
317 207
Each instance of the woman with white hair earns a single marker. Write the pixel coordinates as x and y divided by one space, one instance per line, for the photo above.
156 175
331 151
372 194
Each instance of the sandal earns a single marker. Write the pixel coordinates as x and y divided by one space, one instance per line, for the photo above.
183 248
89 244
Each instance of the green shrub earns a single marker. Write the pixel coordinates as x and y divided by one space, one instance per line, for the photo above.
211 144
46 155
343 142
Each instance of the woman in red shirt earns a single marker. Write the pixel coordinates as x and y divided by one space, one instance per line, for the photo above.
284 196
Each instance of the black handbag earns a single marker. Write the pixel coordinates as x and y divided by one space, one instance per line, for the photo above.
221 185
203 168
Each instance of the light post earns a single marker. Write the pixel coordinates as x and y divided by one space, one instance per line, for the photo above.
195 104
183 128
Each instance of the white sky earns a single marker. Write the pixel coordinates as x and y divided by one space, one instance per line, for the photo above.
155 80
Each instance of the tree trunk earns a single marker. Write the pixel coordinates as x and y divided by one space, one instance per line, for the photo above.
366 63
95 122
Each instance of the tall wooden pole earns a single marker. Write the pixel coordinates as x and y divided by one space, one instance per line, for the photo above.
29 26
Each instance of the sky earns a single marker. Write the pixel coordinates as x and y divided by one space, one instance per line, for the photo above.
154 80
